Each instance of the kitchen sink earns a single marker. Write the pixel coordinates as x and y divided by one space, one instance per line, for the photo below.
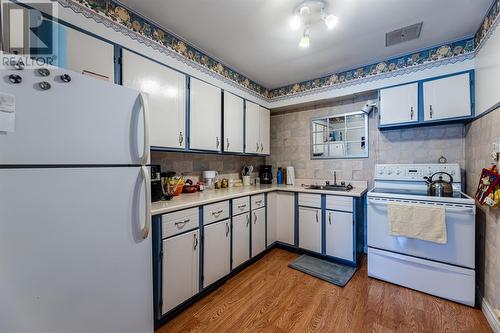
329 187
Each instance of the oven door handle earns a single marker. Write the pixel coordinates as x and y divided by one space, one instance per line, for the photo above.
449 209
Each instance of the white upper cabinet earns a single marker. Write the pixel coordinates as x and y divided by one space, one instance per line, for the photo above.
447 98
257 129
310 229
399 104
88 55
205 107
166 90
265 128
234 108
252 132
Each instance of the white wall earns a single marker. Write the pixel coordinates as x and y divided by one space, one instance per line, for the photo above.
487 77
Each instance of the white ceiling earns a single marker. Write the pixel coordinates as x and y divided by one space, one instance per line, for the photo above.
254 36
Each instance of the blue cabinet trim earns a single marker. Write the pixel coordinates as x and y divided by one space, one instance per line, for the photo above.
421 121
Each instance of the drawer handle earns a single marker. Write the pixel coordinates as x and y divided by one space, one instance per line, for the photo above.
258 202
181 224
217 213
195 241
430 111
411 113
241 207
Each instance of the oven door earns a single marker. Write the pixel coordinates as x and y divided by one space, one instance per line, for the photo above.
460 227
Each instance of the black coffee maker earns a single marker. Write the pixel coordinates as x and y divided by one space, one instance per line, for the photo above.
266 174
156 187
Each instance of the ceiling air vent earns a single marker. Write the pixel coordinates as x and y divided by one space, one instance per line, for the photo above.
403 35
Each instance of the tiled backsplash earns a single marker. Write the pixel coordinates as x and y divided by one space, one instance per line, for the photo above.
290 144
192 164
480 134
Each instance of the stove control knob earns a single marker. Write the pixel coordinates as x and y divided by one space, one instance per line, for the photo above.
389 171
452 172
398 172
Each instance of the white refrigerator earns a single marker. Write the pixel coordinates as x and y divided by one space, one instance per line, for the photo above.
75 249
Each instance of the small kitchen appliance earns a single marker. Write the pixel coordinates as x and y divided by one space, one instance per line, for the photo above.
445 270
290 175
156 186
209 177
266 174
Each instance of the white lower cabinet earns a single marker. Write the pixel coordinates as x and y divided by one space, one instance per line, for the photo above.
180 269
339 235
310 229
271 218
258 231
216 252
241 239
285 217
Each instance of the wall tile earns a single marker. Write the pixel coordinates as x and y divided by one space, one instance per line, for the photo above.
479 136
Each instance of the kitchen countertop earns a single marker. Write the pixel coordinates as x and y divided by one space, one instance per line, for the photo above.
188 200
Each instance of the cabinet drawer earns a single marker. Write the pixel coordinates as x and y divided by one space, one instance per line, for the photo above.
336 202
215 212
178 222
310 200
241 205
258 201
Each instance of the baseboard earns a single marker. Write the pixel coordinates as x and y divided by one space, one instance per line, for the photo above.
490 316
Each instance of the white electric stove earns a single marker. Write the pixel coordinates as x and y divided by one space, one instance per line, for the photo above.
444 270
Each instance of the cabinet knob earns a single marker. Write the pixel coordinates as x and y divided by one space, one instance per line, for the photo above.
217 142
317 220
261 147
227 143
257 146
329 218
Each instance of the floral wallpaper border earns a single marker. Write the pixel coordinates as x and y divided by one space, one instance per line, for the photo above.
113 14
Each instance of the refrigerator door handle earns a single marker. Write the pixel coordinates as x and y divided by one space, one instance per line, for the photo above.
147 186
145 113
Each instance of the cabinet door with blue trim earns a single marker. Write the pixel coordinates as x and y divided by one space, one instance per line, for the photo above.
339 235
399 104
447 98
166 90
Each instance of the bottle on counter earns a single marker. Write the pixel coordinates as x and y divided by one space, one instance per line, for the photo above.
279 176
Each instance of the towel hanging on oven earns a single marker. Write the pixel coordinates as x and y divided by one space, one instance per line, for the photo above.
417 221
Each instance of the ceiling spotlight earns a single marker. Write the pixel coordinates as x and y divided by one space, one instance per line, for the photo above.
304 41
308 13
331 21
295 22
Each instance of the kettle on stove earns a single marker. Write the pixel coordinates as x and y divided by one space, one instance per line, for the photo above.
440 187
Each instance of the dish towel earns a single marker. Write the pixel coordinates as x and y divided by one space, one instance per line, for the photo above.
417 221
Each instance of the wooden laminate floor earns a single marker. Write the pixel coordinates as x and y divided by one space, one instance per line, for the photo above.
270 297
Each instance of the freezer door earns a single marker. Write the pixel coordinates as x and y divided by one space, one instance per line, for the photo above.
72 252
81 122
